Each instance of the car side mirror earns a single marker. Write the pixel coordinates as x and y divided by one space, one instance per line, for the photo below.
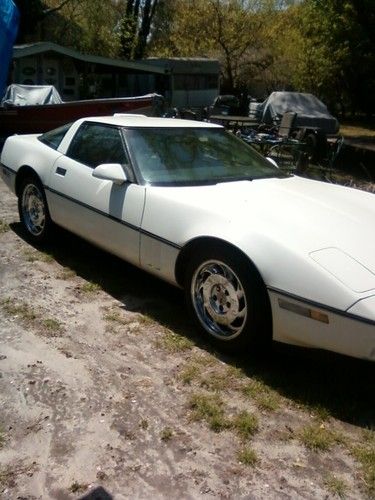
110 172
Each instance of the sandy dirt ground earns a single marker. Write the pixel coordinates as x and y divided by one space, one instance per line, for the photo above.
106 392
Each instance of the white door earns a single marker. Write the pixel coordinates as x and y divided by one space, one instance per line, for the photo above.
101 211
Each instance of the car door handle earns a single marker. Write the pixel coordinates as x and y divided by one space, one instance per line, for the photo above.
61 171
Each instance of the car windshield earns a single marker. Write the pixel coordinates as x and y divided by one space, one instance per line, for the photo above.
183 156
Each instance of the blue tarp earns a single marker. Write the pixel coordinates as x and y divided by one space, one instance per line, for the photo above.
9 20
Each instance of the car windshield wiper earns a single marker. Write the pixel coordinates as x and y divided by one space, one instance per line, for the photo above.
235 179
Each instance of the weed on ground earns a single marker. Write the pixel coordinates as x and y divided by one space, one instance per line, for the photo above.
4 226
317 437
247 456
335 485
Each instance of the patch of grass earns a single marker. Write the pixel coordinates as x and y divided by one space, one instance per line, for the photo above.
204 360
216 380
209 407
18 309
173 342
90 287
34 255
189 373
66 274
335 485
52 325
26 314
145 320
248 456
114 316
269 401
318 438
4 226
166 434
234 372
356 130
246 424
365 454
211 374
264 397
321 413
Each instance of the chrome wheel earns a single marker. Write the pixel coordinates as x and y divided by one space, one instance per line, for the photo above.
33 209
219 300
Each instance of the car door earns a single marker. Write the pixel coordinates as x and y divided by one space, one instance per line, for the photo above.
101 211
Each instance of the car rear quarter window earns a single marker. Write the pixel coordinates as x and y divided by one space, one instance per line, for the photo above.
54 137
94 144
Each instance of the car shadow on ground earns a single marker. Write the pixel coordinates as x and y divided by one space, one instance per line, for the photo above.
339 385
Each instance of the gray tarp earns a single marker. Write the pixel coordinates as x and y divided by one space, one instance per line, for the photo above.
311 112
26 95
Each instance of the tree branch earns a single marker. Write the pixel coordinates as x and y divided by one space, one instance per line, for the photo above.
51 10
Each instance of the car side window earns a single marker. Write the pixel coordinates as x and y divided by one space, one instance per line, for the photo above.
94 144
54 137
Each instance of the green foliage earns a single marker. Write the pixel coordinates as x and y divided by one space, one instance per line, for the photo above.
135 26
227 30
334 53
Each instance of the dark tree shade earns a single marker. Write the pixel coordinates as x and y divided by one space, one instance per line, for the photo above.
31 12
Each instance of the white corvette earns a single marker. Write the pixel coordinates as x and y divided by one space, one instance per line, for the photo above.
260 254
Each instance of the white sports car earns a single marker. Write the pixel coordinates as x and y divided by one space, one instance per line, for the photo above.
259 254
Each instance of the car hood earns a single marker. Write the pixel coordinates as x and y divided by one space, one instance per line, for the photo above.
310 214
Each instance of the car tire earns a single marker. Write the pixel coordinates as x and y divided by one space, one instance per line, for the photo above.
228 301
33 210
